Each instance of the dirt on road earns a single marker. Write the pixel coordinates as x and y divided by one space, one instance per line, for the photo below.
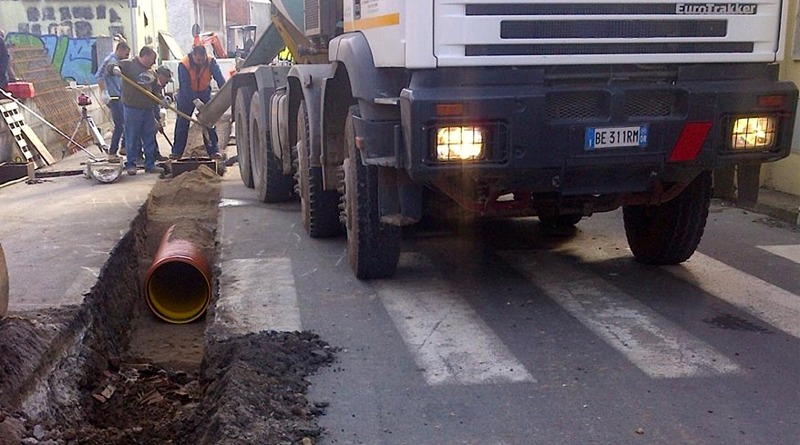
135 379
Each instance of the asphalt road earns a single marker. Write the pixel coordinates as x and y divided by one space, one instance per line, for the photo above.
505 334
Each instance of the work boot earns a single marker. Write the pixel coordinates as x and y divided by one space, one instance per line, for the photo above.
113 158
158 170
160 157
131 171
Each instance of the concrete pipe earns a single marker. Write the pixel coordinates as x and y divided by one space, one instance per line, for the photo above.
177 286
3 284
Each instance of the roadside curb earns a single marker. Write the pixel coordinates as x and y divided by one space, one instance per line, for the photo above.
779 205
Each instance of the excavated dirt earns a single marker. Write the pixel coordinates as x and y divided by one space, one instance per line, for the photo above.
139 380
189 203
250 391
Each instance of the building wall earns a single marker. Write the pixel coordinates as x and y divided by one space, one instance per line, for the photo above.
784 175
71 57
68 29
150 17
238 12
181 16
81 19
212 15
260 15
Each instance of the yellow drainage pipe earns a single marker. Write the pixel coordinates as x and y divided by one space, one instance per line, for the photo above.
177 286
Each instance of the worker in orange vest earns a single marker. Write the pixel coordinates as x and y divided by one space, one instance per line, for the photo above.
194 78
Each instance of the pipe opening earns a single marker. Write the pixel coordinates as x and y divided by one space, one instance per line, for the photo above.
178 292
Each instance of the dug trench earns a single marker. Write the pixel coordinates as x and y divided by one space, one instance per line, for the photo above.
110 372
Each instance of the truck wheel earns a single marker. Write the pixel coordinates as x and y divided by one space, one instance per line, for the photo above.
559 221
373 248
242 118
319 207
269 181
670 232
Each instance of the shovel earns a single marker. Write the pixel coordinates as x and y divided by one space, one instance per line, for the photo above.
163 133
156 100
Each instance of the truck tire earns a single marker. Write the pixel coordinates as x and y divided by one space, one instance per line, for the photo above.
560 221
269 181
319 207
373 248
242 117
670 232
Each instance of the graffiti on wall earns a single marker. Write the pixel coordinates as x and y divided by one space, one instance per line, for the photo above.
72 21
67 31
72 57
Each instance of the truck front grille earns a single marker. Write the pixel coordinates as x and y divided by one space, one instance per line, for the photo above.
577 105
598 32
611 29
609 48
651 103
570 9
596 105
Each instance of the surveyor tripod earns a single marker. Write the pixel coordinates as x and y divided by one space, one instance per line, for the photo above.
86 119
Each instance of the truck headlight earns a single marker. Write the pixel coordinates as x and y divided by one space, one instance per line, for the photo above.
753 133
460 143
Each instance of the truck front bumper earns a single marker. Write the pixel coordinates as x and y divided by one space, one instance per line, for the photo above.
537 124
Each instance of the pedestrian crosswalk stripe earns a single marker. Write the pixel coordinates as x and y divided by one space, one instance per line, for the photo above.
766 301
790 252
655 345
447 338
255 295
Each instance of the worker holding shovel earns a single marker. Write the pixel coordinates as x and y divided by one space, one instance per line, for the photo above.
138 108
194 77
164 76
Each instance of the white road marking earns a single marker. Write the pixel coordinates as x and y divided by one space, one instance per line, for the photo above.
257 295
654 344
228 202
791 252
766 301
447 338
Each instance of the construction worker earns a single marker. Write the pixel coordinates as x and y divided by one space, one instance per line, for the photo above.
163 76
6 72
194 77
112 94
138 108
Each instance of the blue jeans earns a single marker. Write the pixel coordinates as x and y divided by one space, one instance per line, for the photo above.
118 115
140 126
186 106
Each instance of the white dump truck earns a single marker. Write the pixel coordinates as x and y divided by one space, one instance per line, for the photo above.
508 108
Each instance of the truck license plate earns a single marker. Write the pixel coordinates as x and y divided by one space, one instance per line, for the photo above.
615 137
